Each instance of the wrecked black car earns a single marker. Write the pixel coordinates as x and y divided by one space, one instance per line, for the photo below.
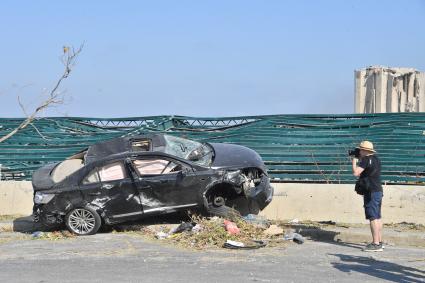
134 177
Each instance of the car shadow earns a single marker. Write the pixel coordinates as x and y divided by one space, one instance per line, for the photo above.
380 269
172 218
26 224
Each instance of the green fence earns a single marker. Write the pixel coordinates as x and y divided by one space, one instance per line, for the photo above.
296 148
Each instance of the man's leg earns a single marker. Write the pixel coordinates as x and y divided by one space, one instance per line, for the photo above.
372 204
375 229
380 230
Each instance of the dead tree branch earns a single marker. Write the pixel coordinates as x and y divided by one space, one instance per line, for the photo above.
69 59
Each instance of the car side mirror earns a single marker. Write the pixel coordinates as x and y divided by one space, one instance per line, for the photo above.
182 173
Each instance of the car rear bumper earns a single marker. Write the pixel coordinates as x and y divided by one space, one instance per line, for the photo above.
45 216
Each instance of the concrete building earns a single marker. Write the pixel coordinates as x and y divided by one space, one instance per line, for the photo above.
382 90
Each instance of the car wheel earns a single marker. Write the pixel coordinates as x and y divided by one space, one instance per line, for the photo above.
83 221
218 201
223 211
245 206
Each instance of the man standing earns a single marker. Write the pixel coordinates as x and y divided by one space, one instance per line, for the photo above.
369 167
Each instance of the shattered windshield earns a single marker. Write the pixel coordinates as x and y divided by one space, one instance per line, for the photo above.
199 153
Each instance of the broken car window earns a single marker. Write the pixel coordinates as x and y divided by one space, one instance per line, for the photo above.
111 172
200 153
141 145
66 168
172 168
91 178
156 166
150 166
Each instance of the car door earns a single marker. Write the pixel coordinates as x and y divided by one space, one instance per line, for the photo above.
165 184
110 188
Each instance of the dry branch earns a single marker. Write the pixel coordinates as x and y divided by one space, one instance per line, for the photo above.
69 58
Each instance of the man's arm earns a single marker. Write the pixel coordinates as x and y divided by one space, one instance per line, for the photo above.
356 169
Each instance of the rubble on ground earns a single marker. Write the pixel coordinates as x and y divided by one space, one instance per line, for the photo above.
215 232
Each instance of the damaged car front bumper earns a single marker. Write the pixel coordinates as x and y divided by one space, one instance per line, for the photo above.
262 193
255 187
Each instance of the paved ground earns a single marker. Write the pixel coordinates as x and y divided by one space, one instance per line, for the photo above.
125 257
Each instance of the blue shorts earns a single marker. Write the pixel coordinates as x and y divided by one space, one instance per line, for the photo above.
372 205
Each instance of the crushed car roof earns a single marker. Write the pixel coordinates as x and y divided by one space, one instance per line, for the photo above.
125 144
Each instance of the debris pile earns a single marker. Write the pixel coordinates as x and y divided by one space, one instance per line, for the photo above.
200 232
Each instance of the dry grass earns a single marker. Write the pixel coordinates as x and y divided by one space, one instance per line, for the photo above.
10 217
8 228
212 234
55 235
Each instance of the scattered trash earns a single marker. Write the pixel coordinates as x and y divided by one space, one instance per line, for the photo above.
201 232
53 236
234 244
273 230
161 235
197 228
231 227
257 220
297 238
294 221
185 226
37 234
229 244
288 237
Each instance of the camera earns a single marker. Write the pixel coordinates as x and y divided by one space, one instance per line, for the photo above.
354 152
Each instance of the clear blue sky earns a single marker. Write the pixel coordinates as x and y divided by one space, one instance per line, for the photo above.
203 58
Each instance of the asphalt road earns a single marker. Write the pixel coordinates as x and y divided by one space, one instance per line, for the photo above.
121 257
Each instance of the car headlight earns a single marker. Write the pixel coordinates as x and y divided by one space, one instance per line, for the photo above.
42 198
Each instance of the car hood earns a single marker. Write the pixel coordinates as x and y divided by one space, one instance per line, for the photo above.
41 178
236 156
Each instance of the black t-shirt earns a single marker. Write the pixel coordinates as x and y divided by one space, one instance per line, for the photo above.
372 169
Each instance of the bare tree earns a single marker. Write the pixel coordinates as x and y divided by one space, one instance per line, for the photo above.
54 97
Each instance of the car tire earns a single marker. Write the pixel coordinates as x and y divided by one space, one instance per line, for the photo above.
223 211
245 206
83 221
